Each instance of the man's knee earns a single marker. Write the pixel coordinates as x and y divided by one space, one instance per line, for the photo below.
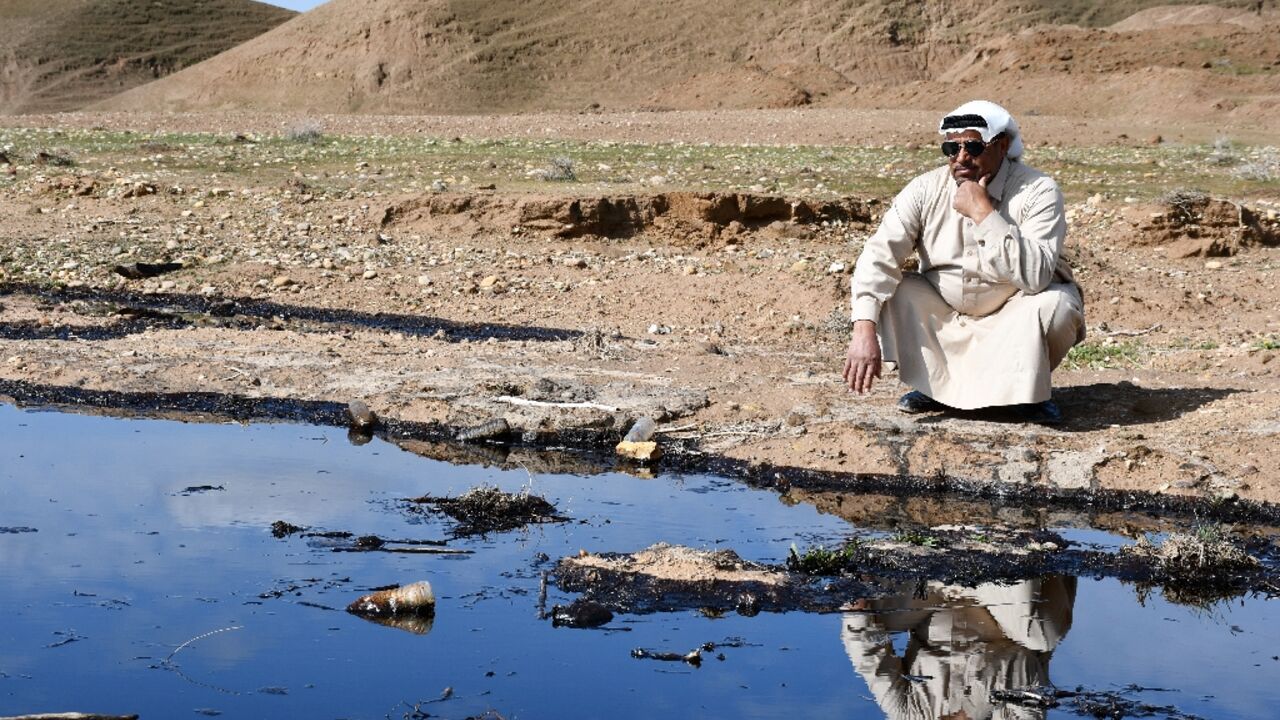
1061 319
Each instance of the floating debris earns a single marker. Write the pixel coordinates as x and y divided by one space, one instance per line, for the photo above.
581 614
1091 703
488 509
693 657
412 599
281 529
193 489
409 607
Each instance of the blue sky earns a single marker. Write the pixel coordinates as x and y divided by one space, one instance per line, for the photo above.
299 5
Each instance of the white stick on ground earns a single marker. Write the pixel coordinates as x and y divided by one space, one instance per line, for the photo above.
543 403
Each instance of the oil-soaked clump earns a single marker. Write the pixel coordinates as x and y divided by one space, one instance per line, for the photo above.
1091 703
488 509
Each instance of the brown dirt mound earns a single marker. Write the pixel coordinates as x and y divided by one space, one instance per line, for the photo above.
62 55
1190 224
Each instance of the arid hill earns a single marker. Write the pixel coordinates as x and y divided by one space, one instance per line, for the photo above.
471 56
60 55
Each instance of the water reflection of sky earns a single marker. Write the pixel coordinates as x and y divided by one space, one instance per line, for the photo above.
132 568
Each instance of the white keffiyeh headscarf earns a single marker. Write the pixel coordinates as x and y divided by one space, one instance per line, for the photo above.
989 119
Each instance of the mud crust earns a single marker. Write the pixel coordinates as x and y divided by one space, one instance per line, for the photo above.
666 578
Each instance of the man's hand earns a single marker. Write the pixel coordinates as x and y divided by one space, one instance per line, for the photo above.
972 200
862 365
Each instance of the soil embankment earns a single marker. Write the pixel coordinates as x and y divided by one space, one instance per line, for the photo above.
585 304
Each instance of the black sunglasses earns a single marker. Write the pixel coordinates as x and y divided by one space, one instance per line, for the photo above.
951 148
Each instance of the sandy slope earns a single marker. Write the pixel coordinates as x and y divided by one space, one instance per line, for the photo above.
65 54
1203 63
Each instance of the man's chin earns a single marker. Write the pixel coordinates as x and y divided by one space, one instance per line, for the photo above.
963 175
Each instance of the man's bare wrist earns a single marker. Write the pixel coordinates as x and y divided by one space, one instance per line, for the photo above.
863 326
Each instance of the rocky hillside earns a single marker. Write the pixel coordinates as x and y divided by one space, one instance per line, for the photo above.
60 55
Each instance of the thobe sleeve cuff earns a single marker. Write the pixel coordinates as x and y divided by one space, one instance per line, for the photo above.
993 228
866 307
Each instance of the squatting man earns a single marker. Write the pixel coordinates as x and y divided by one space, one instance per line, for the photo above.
993 308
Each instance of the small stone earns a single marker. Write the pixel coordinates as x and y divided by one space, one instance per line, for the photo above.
424 280
836 268
1213 265
282 281
488 282
575 262
369 274
800 266
689 270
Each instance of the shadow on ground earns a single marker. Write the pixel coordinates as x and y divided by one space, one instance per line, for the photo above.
140 311
1102 405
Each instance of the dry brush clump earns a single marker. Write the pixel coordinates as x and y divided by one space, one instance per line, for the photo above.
1205 548
1197 568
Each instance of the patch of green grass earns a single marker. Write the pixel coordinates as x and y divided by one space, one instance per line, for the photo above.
1103 356
1267 343
914 536
821 561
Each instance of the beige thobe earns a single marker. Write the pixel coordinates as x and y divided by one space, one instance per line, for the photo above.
994 307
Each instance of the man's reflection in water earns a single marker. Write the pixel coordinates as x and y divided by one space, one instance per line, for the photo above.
962 643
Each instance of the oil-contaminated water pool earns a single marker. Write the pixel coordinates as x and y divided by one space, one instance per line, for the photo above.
141 575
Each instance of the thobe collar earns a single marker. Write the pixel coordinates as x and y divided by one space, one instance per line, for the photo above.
996 187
